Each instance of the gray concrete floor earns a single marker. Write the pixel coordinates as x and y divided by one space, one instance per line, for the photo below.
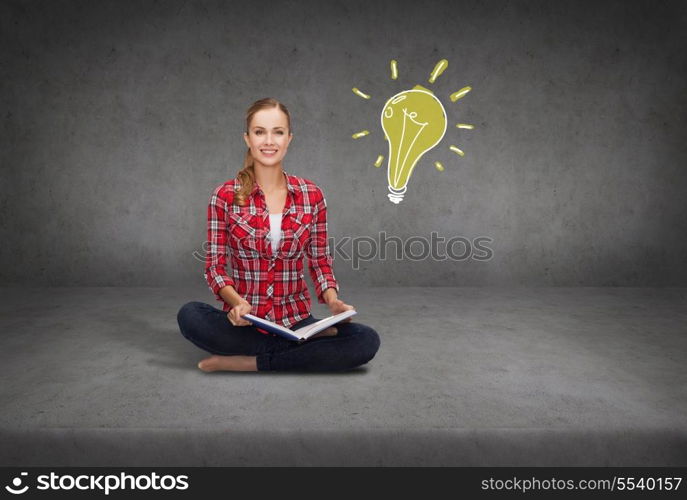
464 376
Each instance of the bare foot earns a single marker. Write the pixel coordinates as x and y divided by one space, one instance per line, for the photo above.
229 363
327 332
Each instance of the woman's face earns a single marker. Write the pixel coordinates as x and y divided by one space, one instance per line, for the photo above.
268 136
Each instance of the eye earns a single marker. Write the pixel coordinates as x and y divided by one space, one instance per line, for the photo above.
258 132
280 132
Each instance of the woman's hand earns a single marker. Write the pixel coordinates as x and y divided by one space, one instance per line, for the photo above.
239 310
337 306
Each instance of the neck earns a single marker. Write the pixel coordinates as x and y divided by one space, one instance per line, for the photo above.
270 178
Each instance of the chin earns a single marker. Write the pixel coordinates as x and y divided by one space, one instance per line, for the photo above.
271 162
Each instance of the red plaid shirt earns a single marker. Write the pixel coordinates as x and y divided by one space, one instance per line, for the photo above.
272 284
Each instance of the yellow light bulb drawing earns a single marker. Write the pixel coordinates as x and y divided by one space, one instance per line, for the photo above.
414 121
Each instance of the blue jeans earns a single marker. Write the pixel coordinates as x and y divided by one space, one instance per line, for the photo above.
210 329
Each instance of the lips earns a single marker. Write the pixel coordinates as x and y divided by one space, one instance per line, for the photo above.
268 152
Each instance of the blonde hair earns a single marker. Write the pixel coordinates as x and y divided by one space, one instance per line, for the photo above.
246 175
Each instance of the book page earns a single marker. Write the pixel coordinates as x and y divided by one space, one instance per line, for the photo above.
320 325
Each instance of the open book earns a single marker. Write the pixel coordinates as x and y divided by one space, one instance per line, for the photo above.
302 333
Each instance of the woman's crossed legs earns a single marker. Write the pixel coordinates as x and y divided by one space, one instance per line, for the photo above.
244 348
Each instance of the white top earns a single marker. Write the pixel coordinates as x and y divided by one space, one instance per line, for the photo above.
275 231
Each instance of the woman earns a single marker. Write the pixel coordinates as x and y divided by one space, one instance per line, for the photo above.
265 221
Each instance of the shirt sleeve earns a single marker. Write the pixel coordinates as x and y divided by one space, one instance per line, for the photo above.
216 256
320 261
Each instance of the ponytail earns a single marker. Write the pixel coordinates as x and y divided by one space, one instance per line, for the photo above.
246 177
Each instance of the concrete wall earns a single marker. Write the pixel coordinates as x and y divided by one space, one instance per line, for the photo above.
119 118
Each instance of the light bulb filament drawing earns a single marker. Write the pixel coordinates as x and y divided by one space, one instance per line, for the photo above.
405 139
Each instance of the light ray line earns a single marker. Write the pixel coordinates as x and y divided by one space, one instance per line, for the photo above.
438 70
357 91
460 94
394 69
457 151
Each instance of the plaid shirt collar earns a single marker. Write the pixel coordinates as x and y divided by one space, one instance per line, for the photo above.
256 198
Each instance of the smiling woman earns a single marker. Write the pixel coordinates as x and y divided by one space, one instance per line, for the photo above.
262 224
